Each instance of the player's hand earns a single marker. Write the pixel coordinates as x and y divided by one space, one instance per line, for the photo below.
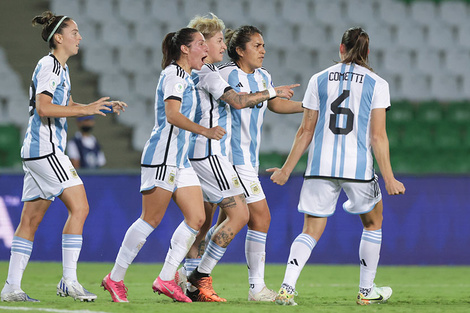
216 133
279 176
286 91
118 106
395 187
100 106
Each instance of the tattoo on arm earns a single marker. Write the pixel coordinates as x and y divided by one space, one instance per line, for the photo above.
245 100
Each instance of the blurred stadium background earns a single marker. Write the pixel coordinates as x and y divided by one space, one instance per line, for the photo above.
421 47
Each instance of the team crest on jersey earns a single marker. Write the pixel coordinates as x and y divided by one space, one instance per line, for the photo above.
73 172
255 189
264 84
52 84
235 181
171 179
179 88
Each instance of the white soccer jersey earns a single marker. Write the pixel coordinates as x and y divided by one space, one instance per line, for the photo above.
344 95
47 135
247 123
168 144
210 86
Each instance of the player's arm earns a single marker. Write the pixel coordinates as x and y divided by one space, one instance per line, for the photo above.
243 100
380 146
113 106
283 106
301 142
46 108
176 118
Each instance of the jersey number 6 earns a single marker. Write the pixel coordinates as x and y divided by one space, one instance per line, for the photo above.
349 115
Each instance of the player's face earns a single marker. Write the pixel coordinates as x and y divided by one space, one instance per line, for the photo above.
70 38
217 48
252 57
198 51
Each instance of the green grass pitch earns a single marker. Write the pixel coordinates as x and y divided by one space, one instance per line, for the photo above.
321 288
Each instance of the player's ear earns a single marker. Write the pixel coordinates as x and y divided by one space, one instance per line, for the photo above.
239 51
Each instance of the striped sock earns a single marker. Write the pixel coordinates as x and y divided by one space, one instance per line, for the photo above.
210 258
255 253
369 254
20 252
300 252
71 247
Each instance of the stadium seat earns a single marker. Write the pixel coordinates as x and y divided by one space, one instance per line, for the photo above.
233 13
415 86
448 136
72 8
441 36
424 12
431 112
410 35
393 12
264 12
133 10
447 87
99 11
418 136
312 36
453 12
429 62
401 112
360 11
10 145
297 12
116 33
458 113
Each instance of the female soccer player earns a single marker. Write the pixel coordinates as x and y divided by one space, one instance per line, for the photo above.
166 170
48 171
244 74
209 158
344 120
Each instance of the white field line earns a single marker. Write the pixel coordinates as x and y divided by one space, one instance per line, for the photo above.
13 308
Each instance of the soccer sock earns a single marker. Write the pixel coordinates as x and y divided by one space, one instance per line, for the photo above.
211 256
255 253
71 247
135 238
209 234
369 254
181 241
20 252
189 266
298 256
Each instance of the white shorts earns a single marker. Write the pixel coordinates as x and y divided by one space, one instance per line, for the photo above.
218 178
249 179
47 178
167 177
319 196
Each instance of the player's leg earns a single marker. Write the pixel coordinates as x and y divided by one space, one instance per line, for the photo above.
22 246
76 202
317 201
237 216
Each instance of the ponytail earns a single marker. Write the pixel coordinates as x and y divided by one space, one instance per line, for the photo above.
356 42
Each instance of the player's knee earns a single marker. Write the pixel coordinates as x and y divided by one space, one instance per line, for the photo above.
196 221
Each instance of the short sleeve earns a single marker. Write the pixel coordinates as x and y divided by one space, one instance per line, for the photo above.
310 100
174 87
381 98
211 81
47 78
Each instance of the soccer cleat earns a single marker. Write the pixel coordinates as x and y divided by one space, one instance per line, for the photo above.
376 296
13 293
265 295
72 288
285 298
117 289
171 289
180 279
204 286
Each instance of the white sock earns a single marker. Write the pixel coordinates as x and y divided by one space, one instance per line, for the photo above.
298 256
255 253
211 256
20 252
182 239
369 254
71 247
135 238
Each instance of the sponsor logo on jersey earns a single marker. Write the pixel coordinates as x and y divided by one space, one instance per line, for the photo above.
53 84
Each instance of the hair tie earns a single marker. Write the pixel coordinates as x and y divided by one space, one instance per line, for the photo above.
55 28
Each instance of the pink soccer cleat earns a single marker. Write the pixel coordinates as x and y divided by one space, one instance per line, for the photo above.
170 289
117 289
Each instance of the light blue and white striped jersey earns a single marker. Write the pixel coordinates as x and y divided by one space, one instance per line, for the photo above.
168 144
344 95
210 86
247 123
47 135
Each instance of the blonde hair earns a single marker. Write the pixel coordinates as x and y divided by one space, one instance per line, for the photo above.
208 26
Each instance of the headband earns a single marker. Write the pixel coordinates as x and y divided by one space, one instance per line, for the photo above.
55 28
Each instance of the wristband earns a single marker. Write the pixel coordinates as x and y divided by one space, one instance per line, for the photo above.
272 93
